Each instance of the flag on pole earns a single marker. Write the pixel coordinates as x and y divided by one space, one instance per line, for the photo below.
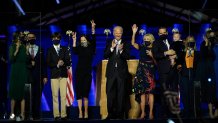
70 91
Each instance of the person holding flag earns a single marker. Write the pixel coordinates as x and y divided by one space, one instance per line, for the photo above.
85 51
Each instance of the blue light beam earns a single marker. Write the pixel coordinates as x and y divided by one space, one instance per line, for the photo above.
19 7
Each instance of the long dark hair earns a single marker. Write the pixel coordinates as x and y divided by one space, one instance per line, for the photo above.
16 36
85 36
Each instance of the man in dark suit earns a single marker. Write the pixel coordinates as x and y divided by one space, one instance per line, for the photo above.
37 73
117 52
58 59
165 57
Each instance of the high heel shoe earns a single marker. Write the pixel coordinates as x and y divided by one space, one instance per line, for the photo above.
86 116
142 117
80 115
151 117
20 118
12 117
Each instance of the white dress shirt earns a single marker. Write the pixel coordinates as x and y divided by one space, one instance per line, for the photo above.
57 48
167 44
35 49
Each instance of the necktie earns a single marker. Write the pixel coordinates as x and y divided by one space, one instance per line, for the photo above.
58 50
32 53
117 48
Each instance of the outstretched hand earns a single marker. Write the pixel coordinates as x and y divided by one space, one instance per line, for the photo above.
93 23
134 28
74 36
113 44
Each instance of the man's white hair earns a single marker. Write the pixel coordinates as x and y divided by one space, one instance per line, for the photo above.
118 27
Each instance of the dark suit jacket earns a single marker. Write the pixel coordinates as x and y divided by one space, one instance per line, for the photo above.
52 61
179 48
39 71
163 62
120 59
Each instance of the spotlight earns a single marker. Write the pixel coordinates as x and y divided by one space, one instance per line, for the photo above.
19 7
209 79
58 1
170 121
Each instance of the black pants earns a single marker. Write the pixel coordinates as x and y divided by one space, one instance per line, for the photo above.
187 96
168 82
36 98
115 89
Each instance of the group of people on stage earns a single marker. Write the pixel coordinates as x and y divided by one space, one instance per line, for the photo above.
179 65
28 65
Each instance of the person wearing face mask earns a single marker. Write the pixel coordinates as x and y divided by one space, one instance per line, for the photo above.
207 76
37 74
117 52
166 66
165 57
85 51
144 83
188 76
58 59
18 57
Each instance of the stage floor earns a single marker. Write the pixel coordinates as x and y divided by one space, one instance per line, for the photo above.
127 121
94 116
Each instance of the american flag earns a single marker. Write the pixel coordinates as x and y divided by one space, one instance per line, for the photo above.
70 91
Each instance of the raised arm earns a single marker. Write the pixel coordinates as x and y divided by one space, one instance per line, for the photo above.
134 30
74 39
75 48
93 26
93 43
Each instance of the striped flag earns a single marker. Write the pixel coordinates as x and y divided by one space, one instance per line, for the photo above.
70 91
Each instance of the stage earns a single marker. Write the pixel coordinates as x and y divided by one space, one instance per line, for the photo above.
127 121
94 116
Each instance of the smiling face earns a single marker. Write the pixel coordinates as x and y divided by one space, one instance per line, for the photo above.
176 37
118 31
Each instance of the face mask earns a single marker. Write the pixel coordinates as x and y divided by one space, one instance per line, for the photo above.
23 41
163 37
147 43
84 43
211 39
32 41
191 44
56 42
176 40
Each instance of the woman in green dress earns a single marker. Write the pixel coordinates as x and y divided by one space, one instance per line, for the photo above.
18 75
